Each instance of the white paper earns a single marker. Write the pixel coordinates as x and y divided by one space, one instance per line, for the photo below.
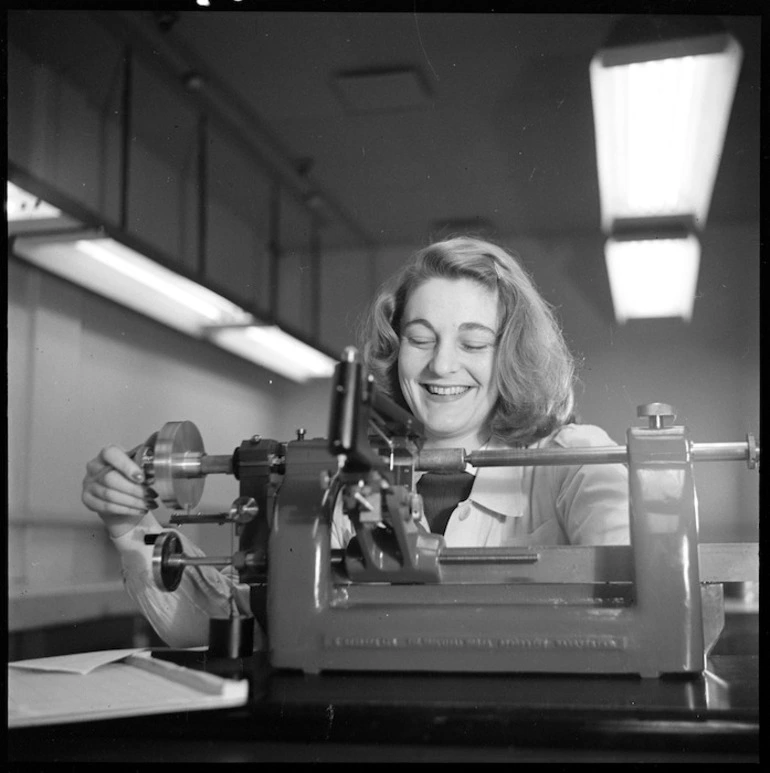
94 686
78 663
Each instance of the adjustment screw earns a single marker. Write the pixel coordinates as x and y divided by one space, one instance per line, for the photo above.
657 414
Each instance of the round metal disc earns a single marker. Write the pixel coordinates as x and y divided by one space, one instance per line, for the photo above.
166 545
178 443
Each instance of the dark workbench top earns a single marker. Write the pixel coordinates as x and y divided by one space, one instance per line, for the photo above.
440 717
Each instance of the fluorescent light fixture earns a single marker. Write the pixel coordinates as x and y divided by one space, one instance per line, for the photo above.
111 269
157 279
653 277
272 348
661 110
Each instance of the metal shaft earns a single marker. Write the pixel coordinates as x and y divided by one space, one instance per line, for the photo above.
196 465
182 518
211 465
449 459
183 560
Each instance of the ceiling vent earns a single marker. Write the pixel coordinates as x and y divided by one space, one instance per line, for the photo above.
381 90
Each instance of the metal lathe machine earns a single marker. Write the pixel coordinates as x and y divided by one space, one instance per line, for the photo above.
396 598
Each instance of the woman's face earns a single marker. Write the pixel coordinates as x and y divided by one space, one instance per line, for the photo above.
446 360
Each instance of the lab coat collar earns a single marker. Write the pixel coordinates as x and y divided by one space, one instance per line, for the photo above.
499 488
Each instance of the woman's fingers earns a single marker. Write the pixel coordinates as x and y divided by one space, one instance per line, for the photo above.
114 505
111 485
118 459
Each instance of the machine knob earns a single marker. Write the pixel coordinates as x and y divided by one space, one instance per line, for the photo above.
167 573
243 510
657 414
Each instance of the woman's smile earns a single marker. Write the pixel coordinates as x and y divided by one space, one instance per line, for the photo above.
446 392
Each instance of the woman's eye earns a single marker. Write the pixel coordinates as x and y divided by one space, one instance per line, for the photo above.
476 346
421 343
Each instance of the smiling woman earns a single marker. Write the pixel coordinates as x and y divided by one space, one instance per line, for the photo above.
500 317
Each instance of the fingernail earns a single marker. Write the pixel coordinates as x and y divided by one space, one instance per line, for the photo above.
138 477
151 491
150 504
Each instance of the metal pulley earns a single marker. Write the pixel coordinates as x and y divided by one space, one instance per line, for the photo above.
166 572
169 560
177 465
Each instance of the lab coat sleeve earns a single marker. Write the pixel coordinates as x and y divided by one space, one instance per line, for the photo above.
341 528
180 618
592 500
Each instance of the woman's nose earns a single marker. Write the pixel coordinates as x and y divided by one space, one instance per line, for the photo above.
445 359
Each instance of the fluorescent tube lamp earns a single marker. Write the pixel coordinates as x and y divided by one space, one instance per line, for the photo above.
653 277
113 270
661 109
272 348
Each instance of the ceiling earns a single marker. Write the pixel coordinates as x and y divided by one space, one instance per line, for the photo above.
481 120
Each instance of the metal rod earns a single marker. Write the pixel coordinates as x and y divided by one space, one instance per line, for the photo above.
487 556
182 518
721 452
175 561
456 459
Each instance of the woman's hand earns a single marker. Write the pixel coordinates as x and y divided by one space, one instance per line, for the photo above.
113 488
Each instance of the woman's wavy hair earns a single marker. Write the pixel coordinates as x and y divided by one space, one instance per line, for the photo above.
535 370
